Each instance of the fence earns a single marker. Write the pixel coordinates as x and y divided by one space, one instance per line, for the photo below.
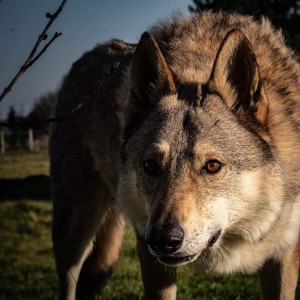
20 139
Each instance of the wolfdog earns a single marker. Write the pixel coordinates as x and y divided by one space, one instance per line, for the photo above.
193 135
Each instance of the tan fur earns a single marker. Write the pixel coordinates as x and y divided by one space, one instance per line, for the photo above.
213 88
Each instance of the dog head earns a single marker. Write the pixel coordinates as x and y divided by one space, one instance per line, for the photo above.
197 168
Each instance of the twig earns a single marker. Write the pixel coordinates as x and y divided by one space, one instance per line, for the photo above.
55 36
65 117
108 71
33 57
29 124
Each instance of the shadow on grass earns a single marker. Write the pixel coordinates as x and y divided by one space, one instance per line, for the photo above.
36 187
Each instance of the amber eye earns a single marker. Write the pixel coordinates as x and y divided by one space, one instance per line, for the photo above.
213 166
151 167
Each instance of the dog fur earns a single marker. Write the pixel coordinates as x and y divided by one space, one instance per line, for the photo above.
194 135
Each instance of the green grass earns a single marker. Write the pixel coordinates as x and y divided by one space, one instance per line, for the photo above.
18 165
27 268
27 264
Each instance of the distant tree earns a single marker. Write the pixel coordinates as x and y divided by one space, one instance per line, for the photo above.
284 14
11 115
43 109
15 137
14 117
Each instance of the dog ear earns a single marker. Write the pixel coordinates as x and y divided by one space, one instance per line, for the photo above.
151 77
235 77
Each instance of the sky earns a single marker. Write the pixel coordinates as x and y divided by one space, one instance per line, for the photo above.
83 24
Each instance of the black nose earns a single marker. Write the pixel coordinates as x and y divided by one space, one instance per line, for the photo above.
166 239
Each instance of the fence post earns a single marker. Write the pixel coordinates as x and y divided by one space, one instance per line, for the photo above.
30 139
2 141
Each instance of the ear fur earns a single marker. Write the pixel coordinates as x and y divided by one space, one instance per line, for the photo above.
151 77
235 77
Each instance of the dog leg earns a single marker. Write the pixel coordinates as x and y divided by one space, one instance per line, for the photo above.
98 266
159 280
78 215
278 279
71 251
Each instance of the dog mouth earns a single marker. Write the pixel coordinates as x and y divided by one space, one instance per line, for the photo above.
176 260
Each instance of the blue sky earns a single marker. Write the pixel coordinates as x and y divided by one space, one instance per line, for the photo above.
83 24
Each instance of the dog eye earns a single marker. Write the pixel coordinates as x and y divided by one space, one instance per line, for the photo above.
151 167
212 167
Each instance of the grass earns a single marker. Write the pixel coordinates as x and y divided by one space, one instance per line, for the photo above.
18 165
27 265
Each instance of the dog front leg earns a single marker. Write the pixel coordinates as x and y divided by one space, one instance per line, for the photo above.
278 279
159 280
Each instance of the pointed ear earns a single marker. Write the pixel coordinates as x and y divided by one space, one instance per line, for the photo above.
235 77
151 77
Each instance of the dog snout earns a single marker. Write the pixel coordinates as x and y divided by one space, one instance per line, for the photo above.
166 239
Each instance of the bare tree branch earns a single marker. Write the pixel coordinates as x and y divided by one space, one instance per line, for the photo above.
70 114
55 36
33 57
